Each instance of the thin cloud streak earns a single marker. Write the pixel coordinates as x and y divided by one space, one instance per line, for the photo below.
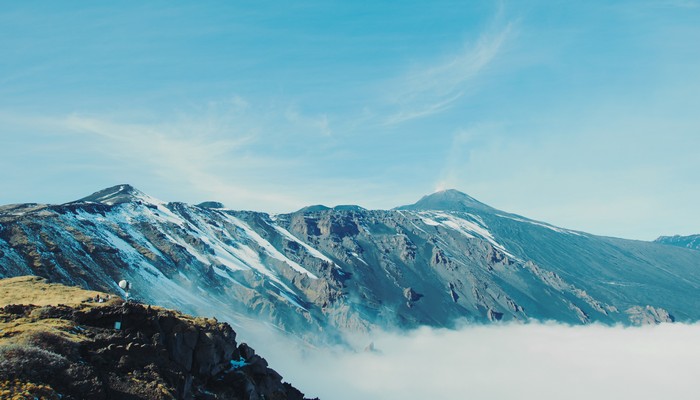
198 154
430 90
230 151
318 123
688 4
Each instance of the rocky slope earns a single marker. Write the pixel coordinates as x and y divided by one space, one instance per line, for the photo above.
690 241
73 351
321 272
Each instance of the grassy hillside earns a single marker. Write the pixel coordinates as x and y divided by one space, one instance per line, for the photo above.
39 292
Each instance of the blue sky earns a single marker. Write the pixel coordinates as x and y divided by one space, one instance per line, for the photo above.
581 114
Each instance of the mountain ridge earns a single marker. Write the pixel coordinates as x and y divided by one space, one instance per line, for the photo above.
687 241
448 200
322 273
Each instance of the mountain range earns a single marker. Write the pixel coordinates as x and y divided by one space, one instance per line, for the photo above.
323 272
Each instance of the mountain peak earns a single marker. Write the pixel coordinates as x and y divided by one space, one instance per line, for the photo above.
118 194
447 200
448 193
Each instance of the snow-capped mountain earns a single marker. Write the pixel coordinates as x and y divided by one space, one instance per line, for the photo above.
320 271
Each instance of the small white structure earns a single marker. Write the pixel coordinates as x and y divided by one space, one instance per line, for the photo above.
126 285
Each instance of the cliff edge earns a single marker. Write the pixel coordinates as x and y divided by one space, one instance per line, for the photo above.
66 343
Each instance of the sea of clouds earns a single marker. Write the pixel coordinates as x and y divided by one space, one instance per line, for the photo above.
509 361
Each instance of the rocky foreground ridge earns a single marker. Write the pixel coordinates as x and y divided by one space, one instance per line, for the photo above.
73 351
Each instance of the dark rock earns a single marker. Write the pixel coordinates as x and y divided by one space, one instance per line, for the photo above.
246 351
158 352
411 295
494 315
211 204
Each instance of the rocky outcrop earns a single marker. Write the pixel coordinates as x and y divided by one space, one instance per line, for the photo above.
648 315
690 241
155 354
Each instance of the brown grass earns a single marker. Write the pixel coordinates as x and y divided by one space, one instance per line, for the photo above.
17 390
20 329
37 291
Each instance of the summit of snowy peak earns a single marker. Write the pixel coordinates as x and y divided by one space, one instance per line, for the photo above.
447 200
118 194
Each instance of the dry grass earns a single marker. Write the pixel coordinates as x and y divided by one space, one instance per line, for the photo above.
37 291
17 390
18 330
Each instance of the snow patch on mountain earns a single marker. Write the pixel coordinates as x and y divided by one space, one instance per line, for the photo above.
234 255
550 227
472 226
291 300
429 221
308 248
269 248
358 258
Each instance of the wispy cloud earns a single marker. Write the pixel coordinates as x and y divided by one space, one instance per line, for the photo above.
681 3
271 158
319 123
246 155
434 88
194 153
214 152
464 143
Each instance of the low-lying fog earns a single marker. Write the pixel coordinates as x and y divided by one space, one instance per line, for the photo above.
533 361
